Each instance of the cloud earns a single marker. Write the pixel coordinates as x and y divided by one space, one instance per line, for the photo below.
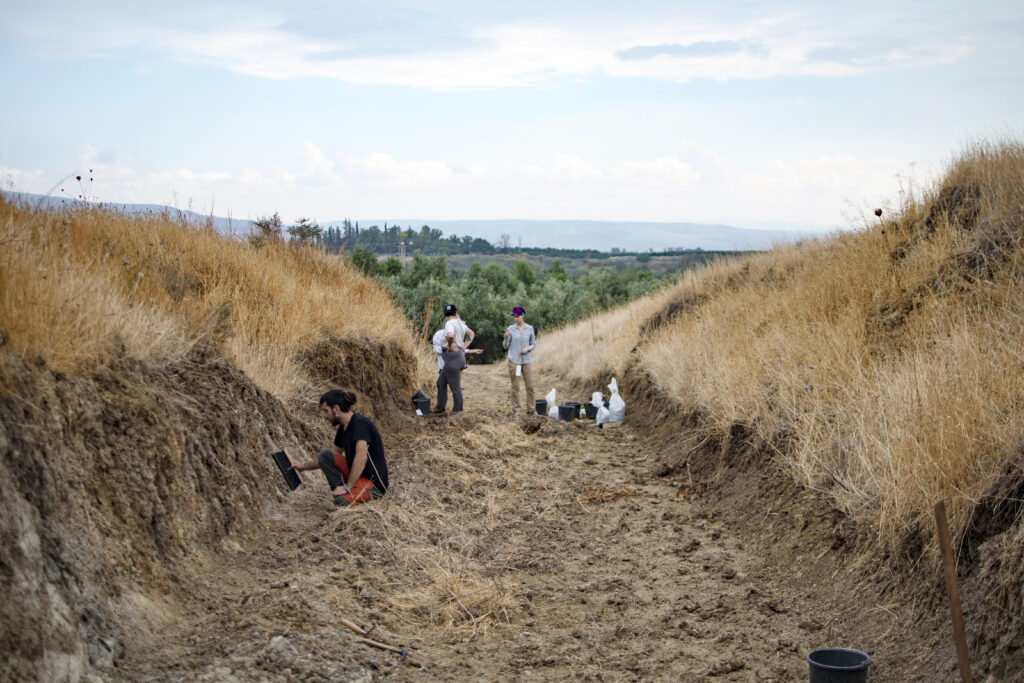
870 54
16 178
450 49
664 171
382 169
699 49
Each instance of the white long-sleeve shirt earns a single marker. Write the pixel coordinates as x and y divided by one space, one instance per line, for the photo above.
440 344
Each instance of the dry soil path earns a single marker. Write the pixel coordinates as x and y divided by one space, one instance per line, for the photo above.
598 570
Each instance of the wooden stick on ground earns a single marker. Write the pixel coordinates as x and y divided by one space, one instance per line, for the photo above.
946 548
383 646
352 627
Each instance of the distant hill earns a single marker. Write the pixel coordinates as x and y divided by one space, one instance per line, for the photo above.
563 234
225 226
605 235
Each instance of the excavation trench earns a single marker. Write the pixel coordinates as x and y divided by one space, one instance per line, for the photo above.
507 548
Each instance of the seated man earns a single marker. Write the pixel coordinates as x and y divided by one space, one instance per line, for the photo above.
354 465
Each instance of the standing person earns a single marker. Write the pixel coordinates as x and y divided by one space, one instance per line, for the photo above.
458 336
354 465
440 342
520 340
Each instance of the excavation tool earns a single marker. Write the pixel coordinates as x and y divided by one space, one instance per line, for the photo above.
291 477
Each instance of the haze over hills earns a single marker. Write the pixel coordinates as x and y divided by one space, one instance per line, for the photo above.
225 226
563 234
605 235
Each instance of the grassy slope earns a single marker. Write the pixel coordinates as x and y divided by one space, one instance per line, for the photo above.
72 283
146 371
882 366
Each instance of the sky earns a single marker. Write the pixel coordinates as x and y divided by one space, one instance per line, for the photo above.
754 114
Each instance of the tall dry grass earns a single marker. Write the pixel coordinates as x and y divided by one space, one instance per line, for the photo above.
79 284
885 364
599 345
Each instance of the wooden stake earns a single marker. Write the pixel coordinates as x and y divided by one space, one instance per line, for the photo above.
946 549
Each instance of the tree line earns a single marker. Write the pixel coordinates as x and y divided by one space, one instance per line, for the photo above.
485 294
394 240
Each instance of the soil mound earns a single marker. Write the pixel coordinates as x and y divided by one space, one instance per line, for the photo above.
110 480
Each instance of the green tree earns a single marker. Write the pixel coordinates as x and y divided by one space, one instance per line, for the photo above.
305 231
422 269
389 266
364 259
556 271
498 278
524 273
266 230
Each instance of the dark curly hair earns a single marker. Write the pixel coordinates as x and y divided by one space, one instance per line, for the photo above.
336 397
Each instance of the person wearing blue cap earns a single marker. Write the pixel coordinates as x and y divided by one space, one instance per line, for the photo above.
520 340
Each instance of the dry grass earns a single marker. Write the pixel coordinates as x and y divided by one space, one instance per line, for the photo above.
887 367
80 284
441 536
599 345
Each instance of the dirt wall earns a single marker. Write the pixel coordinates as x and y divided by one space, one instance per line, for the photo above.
108 480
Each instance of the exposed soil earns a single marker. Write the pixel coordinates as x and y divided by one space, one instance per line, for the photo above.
508 548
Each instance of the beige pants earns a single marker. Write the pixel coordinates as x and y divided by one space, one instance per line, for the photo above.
527 377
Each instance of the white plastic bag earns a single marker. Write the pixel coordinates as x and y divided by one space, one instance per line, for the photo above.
552 407
597 399
616 410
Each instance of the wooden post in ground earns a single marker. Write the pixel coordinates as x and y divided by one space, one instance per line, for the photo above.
946 549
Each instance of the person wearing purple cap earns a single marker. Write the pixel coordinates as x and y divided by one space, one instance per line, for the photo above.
520 340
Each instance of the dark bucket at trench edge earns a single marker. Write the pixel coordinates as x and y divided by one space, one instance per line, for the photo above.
838 665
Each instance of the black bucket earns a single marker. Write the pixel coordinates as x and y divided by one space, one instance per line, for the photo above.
419 396
838 665
576 406
590 410
566 413
422 404
542 406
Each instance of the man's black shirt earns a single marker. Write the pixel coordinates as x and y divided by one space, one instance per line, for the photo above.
361 428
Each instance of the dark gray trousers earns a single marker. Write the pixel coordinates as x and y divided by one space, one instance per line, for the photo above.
326 461
451 378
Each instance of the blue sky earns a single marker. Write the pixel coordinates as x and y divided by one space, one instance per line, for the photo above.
757 114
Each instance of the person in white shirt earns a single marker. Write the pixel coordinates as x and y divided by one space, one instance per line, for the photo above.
458 336
440 342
